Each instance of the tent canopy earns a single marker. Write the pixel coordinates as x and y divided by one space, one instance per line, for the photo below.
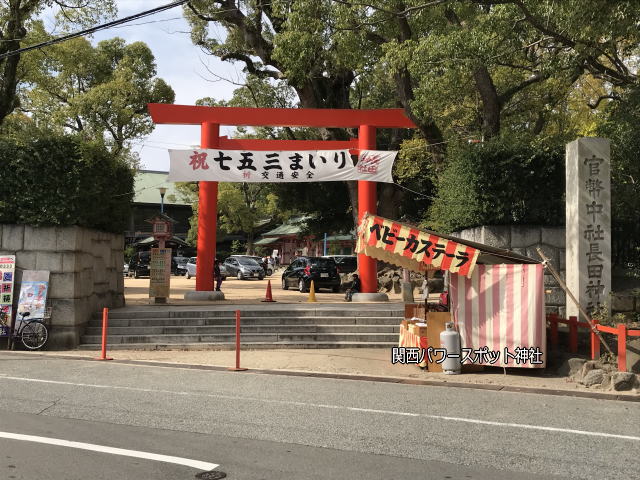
422 250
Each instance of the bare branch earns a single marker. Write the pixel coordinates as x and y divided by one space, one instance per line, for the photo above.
601 98
251 67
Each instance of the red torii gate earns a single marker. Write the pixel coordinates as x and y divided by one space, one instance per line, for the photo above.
210 119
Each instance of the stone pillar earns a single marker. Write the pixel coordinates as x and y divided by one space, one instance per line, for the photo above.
588 233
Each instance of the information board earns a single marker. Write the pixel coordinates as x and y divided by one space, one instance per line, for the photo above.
7 274
33 294
160 272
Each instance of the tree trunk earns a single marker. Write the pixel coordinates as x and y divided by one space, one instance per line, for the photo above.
15 32
490 102
352 187
389 200
250 237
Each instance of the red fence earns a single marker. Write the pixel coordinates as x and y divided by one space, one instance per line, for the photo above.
572 322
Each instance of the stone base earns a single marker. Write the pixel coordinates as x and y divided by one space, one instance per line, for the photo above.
197 296
370 297
407 292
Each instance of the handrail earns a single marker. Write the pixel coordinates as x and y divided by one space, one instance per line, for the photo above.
620 331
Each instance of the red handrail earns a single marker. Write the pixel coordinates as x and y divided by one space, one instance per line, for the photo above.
620 331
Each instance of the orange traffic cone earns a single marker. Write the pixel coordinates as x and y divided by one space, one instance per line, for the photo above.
268 298
312 293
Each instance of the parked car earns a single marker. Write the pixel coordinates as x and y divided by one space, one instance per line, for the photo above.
139 265
190 268
345 263
265 266
323 271
243 268
180 267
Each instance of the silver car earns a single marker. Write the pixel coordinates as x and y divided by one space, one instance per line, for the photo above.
191 269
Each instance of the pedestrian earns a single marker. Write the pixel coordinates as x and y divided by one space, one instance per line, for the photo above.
356 286
217 275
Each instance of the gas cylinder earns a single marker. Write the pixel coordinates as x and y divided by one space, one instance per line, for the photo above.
450 340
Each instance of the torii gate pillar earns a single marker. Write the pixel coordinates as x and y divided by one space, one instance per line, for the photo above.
207 215
367 202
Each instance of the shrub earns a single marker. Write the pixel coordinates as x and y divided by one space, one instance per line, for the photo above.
499 182
60 180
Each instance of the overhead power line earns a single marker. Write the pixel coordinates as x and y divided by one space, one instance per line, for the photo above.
97 28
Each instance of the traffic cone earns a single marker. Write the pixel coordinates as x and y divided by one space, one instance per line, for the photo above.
268 298
312 293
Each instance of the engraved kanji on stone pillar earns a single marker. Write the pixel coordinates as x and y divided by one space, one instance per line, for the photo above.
588 208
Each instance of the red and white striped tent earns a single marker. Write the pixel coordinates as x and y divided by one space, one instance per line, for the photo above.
497 296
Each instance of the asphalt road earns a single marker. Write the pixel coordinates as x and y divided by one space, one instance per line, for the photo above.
280 427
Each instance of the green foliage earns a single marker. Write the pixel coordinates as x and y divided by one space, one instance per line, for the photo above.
100 92
499 182
56 180
621 126
20 27
237 248
129 252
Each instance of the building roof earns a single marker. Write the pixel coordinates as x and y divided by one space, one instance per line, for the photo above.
292 227
146 187
265 241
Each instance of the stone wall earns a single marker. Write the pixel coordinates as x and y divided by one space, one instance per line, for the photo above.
524 239
85 272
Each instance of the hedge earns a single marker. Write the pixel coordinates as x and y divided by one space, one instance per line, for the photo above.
499 182
64 181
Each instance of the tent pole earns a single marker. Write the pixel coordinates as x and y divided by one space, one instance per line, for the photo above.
563 285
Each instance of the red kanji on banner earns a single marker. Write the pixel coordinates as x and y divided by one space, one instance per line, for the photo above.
199 160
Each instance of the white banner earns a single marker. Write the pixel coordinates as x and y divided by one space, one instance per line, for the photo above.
295 166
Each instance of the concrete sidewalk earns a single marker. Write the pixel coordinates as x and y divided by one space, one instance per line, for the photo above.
371 363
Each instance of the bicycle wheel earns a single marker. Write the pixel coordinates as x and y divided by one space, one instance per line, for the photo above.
34 335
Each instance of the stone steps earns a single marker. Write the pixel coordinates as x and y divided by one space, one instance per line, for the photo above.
264 312
268 326
274 337
246 321
246 329
245 345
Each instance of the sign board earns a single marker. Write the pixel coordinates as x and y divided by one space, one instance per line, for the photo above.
7 280
413 249
588 233
301 166
33 294
160 272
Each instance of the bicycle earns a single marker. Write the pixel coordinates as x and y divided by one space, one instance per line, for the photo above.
33 333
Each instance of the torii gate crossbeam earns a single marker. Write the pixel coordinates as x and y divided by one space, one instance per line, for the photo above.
210 119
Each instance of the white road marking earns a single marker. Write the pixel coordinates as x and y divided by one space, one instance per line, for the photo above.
112 450
335 407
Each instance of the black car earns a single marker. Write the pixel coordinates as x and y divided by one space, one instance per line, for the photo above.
323 271
139 265
179 265
345 263
243 268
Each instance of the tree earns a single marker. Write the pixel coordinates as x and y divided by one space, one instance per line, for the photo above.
16 21
99 92
242 206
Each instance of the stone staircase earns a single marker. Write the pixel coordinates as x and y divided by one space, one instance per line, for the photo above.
281 326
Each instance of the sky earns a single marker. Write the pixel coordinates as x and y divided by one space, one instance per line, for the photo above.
182 65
